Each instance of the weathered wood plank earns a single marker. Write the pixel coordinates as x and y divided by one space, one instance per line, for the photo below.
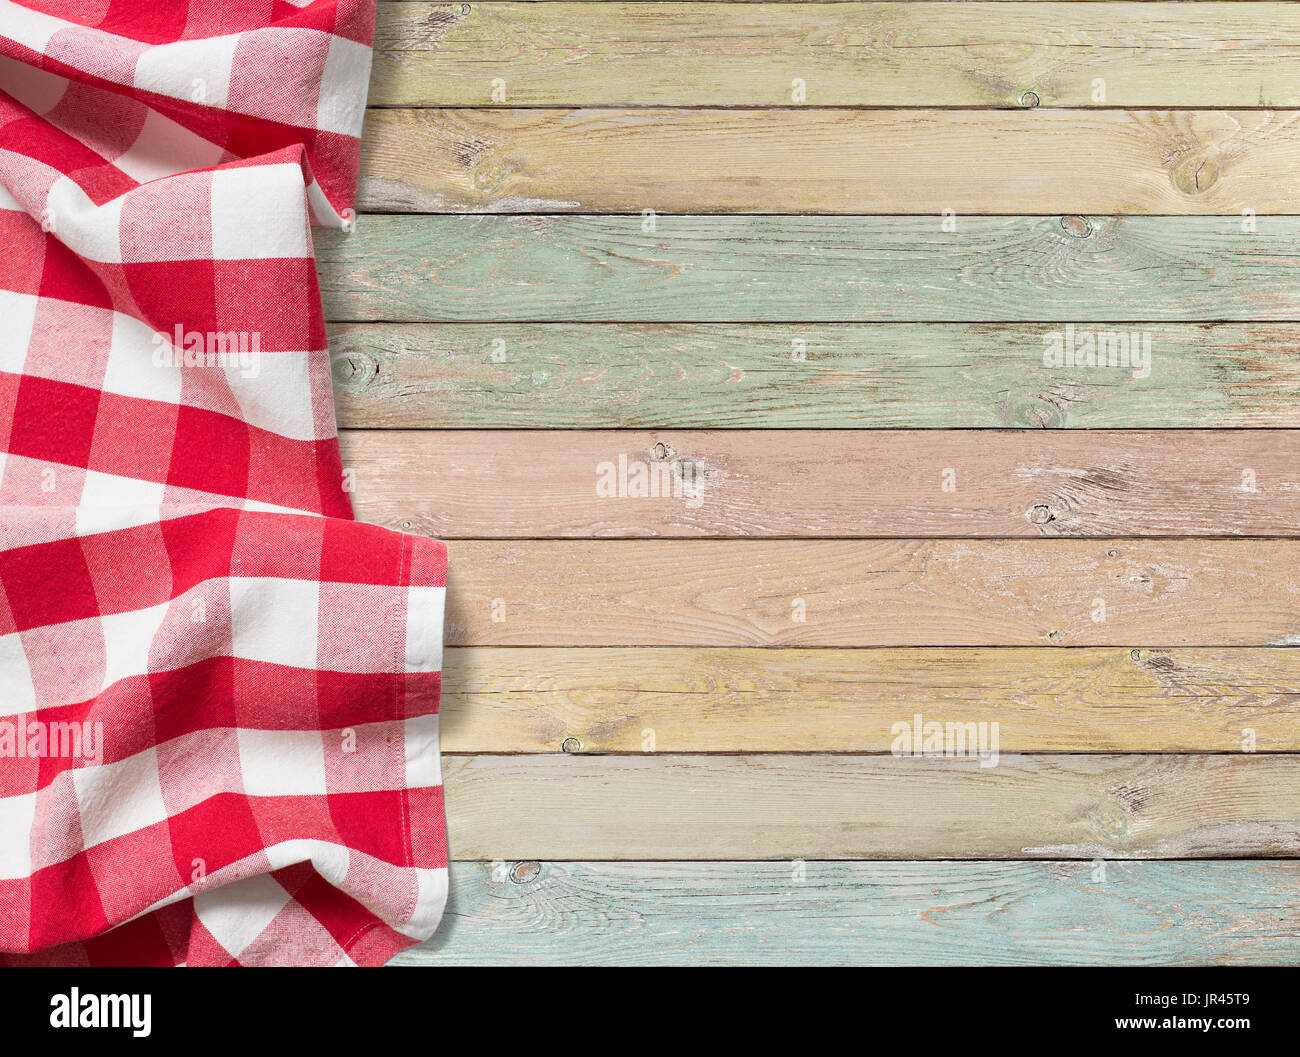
847 54
836 483
872 807
875 375
810 269
1156 593
831 161
860 913
519 700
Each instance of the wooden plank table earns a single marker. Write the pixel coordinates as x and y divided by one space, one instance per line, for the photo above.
787 377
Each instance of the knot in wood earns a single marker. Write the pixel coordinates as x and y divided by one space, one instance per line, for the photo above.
1076 227
523 872
1195 174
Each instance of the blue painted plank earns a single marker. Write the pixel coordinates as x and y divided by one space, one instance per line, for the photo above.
860 913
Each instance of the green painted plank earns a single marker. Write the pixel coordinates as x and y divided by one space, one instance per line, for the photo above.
814 269
836 376
889 913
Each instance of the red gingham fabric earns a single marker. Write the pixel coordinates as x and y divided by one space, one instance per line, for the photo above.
218 692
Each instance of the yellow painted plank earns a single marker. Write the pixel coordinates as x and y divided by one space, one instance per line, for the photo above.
831 161
1131 593
864 54
519 700
872 807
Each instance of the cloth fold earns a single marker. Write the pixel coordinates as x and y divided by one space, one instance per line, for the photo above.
218 691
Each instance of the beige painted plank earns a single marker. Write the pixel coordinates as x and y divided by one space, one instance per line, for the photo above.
521 700
831 161
873 375
872 807
841 483
1156 593
863 54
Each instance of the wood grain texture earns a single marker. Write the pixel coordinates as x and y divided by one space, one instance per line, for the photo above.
872 807
1157 593
828 483
858 913
848 54
810 269
518 700
831 161
715 330
874 375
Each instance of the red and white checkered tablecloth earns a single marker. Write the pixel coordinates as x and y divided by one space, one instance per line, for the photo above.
218 692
